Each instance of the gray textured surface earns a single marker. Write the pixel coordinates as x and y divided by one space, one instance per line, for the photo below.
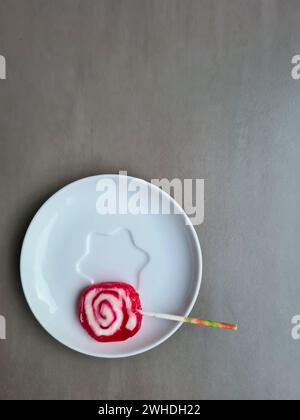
162 88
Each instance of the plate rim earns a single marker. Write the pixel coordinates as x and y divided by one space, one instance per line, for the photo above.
198 255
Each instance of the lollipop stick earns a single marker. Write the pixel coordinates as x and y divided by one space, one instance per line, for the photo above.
191 320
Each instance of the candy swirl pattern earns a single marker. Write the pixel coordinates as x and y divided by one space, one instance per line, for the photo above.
110 311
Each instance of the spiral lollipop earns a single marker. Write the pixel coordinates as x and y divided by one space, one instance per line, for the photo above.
110 311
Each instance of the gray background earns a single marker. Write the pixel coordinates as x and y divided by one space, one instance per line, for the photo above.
161 88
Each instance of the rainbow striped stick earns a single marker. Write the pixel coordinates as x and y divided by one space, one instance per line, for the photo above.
190 320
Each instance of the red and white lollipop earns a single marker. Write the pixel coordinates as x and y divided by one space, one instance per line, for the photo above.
110 311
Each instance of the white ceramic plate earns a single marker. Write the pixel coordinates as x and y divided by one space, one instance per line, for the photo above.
68 245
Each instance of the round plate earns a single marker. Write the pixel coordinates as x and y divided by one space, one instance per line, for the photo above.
77 238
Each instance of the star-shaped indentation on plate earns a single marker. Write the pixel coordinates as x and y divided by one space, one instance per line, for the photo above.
112 257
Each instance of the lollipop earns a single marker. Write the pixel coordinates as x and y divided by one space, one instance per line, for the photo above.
110 311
